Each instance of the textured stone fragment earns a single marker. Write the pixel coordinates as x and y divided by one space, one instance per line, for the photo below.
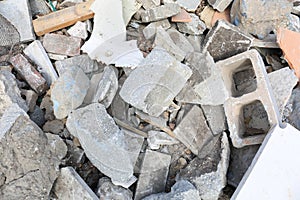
79 30
150 30
9 34
219 5
195 27
111 150
61 44
147 4
39 7
68 91
31 98
190 5
157 138
29 73
180 41
215 117
160 12
154 172
153 94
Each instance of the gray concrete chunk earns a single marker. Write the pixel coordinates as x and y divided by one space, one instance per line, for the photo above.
215 116
190 5
195 27
160 12
150 30
68 91
181 41
219 5
111 150
107 191
157 138
154 172
147 4
153 94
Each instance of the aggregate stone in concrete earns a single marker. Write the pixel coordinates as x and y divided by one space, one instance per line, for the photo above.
195 27
160 12
152 86
111 150
68 91
150 30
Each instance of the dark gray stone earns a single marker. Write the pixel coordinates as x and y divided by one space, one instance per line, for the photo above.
215 116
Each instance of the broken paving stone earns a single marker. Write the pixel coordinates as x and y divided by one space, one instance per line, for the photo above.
190 5
193 131
61 44
181 190
153 174
79 30
107 191
69 185
225 40
258 17
9 34
29 73
148 4
180 41
154 94
20 17
111 150
215 116
183 16
160 12
103 87
157 138
9 92
195 27
163 39
31 98
54 126
150 30
208 175
68 91
36 52
34 155
219 5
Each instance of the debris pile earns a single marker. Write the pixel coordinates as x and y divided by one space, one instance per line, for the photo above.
149 99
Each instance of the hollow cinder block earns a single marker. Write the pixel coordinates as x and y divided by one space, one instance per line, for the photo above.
246 81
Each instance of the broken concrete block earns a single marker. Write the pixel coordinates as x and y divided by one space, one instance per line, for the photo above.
160 12
61 44
183 16
150 30
181 41
195 27
29 73
54 56
107 190
79 30
148 4
9 92
130 59
21 20
163 39
241 100
157 138
215 116
39 7
208 174
88 65
190 5
36 52
196 41
153 174
182 190
111 150
68 91
219 5
31 98
130 7
277 181
103 87
225 40
9 33
69 185
193 131
153 94
28 156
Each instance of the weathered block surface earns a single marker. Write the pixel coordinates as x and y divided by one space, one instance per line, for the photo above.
160 12
215 116
195 27
79 30
61 44
190 5
150 30
107 190
181 41
29 73
219 5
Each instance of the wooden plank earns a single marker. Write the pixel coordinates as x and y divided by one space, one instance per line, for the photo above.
63 18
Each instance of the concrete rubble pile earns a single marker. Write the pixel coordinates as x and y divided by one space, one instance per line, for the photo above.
149 99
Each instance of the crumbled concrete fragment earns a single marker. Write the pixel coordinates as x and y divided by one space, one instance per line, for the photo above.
54 126
219 5
9 92
79 30
156 121
160 12
294 23
163 39
88 65
215 116
18 13
31 98
196 41
39 7
36 52
153 94
28 156
75 155
225 40
181 190
69 91
150 30
54 56
107 191
130 7
112 151
193 131
208 174
9 33
190 5
181 41
103 87
61 44
157 138
153 174
260 17
148 4
69 185
29 73
195 27
130 59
